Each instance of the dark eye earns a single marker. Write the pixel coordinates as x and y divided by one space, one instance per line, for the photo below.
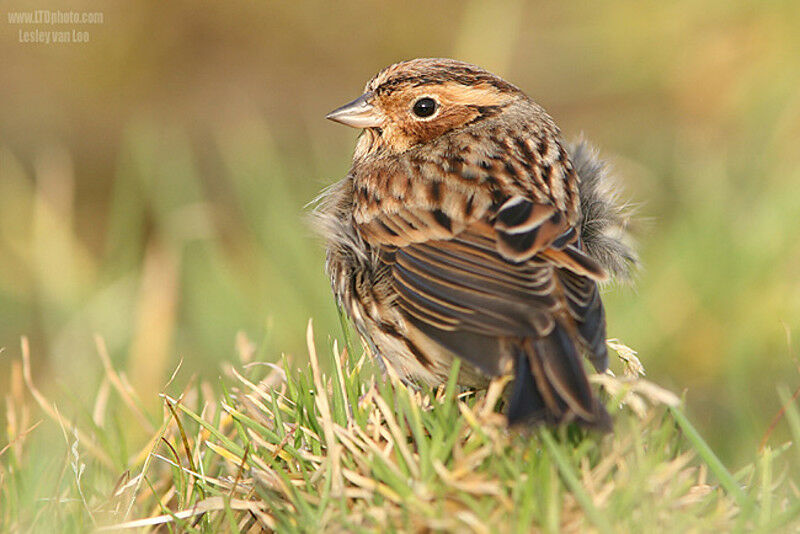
424 107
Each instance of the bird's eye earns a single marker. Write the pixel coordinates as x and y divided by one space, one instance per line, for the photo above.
424 107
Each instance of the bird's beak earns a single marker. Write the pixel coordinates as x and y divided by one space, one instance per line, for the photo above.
359 113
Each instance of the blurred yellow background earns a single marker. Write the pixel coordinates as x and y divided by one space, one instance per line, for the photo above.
153 180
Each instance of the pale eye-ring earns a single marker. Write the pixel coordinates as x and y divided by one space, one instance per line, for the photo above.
424 107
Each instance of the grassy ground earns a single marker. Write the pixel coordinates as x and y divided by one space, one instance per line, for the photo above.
265 450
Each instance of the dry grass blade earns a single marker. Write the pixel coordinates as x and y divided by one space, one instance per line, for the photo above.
95 450
125 391
321 397
212 504
19 437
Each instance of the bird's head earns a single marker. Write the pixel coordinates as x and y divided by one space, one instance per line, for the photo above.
417 101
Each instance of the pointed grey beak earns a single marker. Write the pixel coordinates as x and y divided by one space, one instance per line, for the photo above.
359 113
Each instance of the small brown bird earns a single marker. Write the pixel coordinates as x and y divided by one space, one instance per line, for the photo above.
465 229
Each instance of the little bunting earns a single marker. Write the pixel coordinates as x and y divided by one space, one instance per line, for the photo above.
466 228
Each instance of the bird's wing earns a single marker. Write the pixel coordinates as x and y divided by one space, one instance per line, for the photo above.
510 274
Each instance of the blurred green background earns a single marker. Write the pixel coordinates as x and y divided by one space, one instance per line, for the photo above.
153 181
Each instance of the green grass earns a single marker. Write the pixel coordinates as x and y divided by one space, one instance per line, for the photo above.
292 449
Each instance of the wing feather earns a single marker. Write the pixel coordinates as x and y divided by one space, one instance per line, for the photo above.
518 273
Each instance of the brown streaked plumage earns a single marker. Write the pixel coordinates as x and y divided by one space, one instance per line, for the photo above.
459 233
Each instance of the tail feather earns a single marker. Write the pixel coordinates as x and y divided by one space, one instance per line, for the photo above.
527 404
551 385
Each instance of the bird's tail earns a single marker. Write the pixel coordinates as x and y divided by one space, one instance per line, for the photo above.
551 385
